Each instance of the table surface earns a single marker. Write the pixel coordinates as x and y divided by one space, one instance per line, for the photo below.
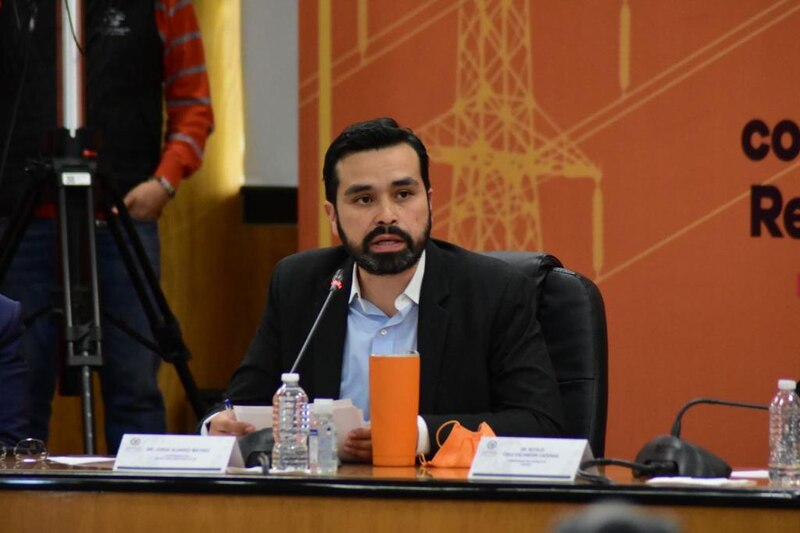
359 499
384 482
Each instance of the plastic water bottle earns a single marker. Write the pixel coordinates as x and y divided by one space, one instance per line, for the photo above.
290 426
322 456
784 436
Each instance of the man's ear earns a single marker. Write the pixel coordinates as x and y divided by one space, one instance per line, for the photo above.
330 210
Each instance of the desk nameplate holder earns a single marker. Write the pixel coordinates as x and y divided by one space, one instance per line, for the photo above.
177 453
529 459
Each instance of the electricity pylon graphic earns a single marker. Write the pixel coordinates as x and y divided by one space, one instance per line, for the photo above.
499 143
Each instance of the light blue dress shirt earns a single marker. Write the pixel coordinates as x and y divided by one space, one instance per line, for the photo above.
370 330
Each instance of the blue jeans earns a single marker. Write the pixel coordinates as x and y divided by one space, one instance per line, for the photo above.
128 377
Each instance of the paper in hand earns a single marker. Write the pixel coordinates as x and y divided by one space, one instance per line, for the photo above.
346 416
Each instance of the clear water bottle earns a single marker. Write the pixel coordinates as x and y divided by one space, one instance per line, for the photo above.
784 436
322 456
290 426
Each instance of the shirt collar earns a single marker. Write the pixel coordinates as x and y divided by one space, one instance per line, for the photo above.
409 295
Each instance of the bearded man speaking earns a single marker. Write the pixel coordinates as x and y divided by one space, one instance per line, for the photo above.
471 318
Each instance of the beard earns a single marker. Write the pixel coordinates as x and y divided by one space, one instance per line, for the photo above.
386 263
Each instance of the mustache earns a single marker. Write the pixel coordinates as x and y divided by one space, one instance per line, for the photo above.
388 230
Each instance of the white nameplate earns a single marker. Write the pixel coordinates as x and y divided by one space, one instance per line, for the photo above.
527 459
177 453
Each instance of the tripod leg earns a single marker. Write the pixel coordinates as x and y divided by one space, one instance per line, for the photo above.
132 398
165 328
18 222
28 245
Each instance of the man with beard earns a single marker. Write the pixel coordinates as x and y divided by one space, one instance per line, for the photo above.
471 318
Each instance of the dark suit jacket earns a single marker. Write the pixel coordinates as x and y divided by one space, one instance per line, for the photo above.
483 357
13 375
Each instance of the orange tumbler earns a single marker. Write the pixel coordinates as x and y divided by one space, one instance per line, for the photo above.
394 406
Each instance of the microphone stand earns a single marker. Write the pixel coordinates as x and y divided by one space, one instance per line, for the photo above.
669 455
336 284
257 446
676 426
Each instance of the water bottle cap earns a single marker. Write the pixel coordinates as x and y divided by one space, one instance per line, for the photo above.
290 377
787 384
323 406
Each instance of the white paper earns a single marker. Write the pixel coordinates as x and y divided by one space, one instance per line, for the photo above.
700 481
529 459
177 453
346 417
78 460
750 474
260 416
244 470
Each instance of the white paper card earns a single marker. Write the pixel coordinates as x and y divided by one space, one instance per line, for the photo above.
529 459
701 481
258 415
177 453
347 417
78 460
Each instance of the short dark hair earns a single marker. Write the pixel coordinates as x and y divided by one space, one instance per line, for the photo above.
370 135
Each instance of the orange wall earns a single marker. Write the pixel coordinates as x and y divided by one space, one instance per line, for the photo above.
608 134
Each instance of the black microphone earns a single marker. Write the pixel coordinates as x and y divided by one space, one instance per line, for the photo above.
676 426
336 284
674 456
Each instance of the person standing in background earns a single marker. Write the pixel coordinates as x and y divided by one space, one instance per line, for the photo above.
142 58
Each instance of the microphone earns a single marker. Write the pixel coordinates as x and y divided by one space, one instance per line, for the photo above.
676 426
673 456
336 285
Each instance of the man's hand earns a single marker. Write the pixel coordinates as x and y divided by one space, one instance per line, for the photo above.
224 424
146 200
359 444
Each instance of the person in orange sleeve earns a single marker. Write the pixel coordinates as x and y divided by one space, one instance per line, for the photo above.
144 63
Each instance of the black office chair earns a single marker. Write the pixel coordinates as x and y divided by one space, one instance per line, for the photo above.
573 320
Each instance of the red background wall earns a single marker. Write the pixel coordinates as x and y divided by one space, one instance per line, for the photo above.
614 143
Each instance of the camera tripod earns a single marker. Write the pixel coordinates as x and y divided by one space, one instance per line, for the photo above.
80 190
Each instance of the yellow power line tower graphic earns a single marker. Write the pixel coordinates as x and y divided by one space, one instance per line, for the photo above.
499 143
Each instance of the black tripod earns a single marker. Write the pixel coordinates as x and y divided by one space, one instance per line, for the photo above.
80 190
78 185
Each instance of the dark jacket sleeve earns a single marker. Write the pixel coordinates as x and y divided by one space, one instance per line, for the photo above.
13 375
523 397
297 288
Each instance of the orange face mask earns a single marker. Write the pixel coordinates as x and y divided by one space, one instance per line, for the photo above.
460 447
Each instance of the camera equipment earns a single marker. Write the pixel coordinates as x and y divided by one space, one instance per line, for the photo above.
82 189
